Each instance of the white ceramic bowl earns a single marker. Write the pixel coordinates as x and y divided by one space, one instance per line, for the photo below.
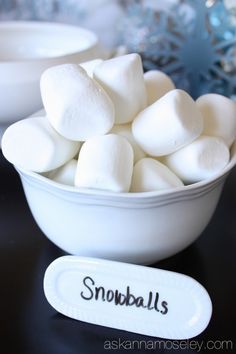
27 49
133 227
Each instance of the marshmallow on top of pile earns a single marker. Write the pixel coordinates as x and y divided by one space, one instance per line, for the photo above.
109 126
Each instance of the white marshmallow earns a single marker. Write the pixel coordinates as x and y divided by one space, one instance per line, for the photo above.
122 78
76 106
157 85
65 174
219 116
90 65
125 131
105 162
168 124
151 175
201 159
40 113
34 145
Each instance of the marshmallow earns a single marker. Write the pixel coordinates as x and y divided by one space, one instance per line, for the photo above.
40 113
122 78
64 174
76 106
151 175
200 160
219 116
125 131
157 85
168 124
105 162
34 145
90 65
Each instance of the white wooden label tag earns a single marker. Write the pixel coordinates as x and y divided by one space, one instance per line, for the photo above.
130 297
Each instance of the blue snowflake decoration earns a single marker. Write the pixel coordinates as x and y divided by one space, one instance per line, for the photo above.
197 48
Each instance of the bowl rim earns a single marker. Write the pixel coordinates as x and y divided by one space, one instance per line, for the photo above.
14 25
196 189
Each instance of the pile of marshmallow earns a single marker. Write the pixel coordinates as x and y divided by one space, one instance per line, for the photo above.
108 126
